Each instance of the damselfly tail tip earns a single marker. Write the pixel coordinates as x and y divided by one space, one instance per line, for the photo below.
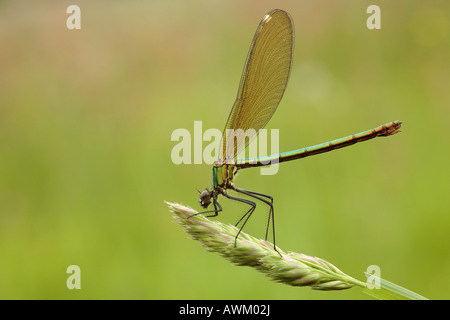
390 128
396 127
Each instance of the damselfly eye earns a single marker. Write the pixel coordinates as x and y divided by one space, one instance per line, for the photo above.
205 199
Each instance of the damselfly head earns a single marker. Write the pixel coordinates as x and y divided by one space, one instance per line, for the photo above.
205 198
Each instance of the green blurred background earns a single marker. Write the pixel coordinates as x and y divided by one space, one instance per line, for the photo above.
86 118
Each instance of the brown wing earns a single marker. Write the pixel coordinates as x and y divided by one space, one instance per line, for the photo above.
263 81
